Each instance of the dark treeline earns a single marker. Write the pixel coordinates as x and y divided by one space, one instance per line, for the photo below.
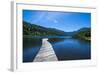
36 30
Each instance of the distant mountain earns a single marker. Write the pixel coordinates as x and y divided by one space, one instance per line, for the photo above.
36 30
84 29
83 33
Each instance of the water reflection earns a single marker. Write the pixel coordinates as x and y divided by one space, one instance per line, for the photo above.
66 48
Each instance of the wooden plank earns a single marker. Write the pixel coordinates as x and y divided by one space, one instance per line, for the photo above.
46 52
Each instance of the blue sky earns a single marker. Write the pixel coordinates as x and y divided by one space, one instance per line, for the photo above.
66 21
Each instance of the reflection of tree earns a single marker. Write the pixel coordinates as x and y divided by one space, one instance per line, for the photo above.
54 40
31 42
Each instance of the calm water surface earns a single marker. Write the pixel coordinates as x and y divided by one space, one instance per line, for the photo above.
66 48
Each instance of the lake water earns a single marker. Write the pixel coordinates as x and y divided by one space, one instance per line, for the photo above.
66 48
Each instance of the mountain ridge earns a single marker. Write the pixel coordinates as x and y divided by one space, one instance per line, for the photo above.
37 30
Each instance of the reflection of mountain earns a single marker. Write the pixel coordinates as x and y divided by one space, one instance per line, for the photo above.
36 30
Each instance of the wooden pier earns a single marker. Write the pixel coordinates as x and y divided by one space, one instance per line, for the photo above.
46 52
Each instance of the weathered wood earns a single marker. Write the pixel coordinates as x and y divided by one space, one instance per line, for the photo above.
46 52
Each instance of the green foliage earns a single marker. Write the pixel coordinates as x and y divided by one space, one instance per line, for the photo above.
30 30
36 30
84 33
